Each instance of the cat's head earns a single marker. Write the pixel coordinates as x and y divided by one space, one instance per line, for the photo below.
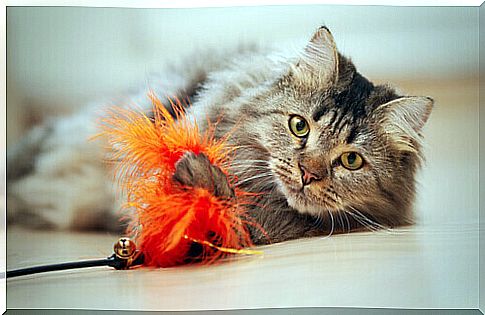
336 142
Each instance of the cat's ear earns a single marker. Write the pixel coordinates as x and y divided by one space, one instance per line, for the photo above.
318 63
403 119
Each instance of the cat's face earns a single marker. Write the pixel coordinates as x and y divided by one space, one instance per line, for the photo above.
336 142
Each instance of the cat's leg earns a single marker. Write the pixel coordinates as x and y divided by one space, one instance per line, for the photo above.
197 171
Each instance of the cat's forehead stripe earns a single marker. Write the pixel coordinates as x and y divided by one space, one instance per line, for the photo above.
352 134
320 112
352 99
323 107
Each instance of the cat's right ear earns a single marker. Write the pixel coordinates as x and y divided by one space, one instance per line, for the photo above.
403 119
318 64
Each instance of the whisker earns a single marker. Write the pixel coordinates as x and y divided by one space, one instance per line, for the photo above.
333 223
341 220
253 178
363 223
370 224
246 165
318 220
248 162
282 172
241 159
369 220
347 219
249 167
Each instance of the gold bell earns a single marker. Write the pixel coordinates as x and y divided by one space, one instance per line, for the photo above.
124 248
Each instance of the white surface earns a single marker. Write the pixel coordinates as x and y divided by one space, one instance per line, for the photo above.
414 268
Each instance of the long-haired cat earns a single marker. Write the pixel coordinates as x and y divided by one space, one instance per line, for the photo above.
325 150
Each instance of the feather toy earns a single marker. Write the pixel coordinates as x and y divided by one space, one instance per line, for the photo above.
171 219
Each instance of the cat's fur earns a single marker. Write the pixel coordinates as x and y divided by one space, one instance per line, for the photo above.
253 94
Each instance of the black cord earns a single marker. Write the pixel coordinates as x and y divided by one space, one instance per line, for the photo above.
63 266
112 261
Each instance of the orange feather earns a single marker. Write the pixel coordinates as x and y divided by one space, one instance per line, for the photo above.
170 218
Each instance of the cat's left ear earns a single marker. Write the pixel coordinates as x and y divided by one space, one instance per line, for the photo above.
403 119
318 63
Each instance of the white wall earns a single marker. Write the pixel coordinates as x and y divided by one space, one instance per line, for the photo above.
61 58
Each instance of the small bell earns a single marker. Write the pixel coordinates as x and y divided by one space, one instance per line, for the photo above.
124 248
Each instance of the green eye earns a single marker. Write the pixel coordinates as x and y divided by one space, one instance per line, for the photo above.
351 160
299 126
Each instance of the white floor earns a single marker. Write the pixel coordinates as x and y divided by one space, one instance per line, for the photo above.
413 268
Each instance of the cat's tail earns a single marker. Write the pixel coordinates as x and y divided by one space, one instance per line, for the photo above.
20 161
21 156
57 178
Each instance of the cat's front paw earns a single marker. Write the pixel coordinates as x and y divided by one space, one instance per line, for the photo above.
195 170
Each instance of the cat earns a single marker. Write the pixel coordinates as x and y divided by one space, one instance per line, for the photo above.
326 150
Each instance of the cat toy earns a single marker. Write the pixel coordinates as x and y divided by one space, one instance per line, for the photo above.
172 219
172 224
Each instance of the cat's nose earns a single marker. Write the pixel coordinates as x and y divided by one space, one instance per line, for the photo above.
307 176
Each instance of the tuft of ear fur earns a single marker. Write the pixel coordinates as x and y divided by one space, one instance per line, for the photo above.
403 119
318 64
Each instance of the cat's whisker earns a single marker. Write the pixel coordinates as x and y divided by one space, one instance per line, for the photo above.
318 220
283 172
262 185
347 219
332 224
249 162
253 178
371 221
246 172
246 163
247 146
250 167
252 174
341 220
363 223
240 158
370 224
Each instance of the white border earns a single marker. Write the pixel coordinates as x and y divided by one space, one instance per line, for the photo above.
225 3
157 4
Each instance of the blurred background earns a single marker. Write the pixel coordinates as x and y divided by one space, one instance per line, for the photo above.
60 59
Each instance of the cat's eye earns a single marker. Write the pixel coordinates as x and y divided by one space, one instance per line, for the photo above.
299 126
351 160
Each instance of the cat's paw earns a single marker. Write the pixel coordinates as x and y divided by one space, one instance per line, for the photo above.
197 171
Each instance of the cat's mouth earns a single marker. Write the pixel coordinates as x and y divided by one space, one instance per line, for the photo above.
297 188
297 196
303 199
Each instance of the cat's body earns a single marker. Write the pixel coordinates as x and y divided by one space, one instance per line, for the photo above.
325 149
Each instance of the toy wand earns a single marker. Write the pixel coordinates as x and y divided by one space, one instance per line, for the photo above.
125 256
169 218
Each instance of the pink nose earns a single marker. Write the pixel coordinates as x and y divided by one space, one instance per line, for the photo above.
307 176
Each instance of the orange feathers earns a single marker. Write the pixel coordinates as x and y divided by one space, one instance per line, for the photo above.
171 219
